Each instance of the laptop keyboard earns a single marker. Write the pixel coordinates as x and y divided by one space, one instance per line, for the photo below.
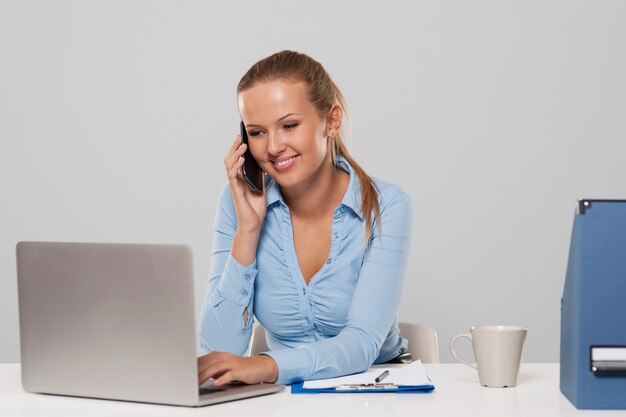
213 390
207 391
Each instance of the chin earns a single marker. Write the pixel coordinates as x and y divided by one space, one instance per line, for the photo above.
287 181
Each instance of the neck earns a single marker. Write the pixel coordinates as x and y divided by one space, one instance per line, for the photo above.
320 195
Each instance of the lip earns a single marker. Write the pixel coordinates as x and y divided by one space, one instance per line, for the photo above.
285 163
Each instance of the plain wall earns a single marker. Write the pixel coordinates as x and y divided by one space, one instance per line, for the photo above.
496 116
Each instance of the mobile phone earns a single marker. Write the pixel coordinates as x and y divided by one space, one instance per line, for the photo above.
252 172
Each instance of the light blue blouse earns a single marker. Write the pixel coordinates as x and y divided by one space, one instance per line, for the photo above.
340 323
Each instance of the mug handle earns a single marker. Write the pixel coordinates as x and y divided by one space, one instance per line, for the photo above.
468 337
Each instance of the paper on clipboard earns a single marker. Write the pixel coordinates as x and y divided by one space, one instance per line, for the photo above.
412 374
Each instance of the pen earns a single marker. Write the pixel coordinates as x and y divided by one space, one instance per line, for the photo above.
382 376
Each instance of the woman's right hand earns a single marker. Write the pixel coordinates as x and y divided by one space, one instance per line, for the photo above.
250 206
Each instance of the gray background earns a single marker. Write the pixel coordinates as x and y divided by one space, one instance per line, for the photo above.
494 115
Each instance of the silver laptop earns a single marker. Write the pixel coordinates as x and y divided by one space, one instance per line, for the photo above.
113 321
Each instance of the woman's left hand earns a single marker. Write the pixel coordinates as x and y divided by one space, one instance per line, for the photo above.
225 367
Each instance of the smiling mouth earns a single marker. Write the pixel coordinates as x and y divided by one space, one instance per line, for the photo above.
284 162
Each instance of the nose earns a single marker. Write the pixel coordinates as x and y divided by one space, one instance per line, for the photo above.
275 143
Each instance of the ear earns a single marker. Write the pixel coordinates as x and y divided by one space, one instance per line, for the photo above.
333 123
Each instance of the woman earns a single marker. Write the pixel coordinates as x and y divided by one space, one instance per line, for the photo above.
318 257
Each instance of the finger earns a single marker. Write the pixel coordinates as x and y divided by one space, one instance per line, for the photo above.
236 143
225 378
203 361
240 151
236 161
214 370
233 153
206 374
207 362
235 169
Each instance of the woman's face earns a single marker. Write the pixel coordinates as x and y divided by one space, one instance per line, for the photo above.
286 135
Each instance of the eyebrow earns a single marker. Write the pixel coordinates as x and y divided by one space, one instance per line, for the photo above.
281 119
287 115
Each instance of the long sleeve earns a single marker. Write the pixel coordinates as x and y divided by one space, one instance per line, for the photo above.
372 310
230 289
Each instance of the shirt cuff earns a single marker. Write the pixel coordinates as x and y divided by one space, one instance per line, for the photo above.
237 282
292 364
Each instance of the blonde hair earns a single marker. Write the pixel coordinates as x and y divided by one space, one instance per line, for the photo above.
324 95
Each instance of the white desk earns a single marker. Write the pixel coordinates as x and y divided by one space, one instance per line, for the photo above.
457 393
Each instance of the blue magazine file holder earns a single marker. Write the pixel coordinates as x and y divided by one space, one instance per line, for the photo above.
593 308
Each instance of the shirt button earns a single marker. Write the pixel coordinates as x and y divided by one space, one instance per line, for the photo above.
308 320
336 235
244 293
328 261
247 277
303 291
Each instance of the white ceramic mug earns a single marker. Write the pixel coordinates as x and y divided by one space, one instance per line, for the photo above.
498 352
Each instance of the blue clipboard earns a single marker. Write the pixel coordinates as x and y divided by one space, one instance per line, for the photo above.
398 378
298 388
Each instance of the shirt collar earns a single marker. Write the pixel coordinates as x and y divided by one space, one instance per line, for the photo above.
352 198
272 191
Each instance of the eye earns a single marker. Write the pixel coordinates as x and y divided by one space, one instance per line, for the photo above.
255 133
290 126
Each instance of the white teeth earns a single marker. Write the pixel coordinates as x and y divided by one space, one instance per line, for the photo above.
285 162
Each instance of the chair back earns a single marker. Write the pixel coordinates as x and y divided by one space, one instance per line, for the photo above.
423 342
259 344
